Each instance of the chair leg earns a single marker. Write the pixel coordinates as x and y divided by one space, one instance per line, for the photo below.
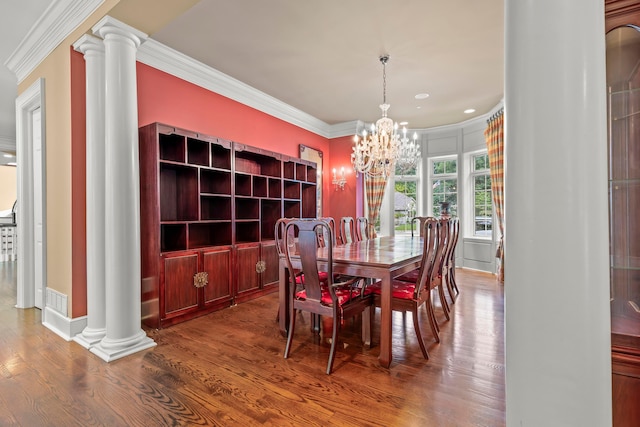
334 340
292 325
416 326
453 280
435 330
443 300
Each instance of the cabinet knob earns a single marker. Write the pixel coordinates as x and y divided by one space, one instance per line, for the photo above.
200 280
261 267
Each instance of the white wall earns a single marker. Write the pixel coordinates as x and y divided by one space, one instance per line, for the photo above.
461 139
8 187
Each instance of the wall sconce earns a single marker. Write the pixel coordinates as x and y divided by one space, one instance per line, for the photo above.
339 180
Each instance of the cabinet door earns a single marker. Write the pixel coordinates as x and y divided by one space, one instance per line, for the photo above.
217 264
247 256
179 294
270 257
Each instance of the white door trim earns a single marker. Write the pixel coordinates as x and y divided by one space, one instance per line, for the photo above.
30 100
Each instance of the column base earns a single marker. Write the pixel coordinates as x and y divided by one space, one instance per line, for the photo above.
89 337
109 349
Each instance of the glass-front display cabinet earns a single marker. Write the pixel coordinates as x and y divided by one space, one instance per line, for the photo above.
623 86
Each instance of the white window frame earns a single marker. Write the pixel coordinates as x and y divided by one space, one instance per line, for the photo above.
471 206
432 177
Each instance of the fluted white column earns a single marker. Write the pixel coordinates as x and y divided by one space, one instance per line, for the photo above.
93 50
557 320
124 334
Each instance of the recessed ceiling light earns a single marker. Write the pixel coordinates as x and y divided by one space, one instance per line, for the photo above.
422 96
403 123
469 111
418 107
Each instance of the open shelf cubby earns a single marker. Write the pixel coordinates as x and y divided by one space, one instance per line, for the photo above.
205 234
269 214
291 190
291 209
301 172
220 157
215 208
243 185
275 188
259 186
173 237
312 174
178 193
308 197
247 231
289 170
215 182
197 152
247 208
257 164
171 147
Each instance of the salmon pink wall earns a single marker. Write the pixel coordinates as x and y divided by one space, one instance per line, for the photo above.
342 202
167 99
78 187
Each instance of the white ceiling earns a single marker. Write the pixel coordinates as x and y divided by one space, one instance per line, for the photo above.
321 57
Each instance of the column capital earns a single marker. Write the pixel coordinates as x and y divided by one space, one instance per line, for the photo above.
88 42
108 25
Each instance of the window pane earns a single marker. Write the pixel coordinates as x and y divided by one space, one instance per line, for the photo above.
404 205
482 206
438 167
451 166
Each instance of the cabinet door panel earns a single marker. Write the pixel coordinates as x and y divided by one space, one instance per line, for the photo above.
218 266
246 259
179 292
270 257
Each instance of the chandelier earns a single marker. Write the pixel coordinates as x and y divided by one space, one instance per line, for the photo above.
408 153
375 154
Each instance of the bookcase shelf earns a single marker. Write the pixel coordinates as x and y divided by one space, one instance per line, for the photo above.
210 205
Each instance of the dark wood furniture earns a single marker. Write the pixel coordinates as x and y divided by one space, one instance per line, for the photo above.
410 296
383 258
208 209
317 295
622 22
347 230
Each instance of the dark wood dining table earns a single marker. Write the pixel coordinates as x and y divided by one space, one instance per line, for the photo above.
382 258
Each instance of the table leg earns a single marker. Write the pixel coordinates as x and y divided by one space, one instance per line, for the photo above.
385 321
283 291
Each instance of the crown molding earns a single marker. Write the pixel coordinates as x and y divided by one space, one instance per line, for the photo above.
164 58
60 19
7 144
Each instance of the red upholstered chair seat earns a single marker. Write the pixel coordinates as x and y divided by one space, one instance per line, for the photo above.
401 289
323 276
344 295
410 276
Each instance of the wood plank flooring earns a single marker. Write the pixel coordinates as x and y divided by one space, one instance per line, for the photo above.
227 369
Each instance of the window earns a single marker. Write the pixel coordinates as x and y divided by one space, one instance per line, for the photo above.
405 200
444 184
482 199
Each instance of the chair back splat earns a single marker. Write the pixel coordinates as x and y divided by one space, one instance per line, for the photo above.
314 294
347 230
362 228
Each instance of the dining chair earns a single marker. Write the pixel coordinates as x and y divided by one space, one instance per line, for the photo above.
321 232
410 296
362 228
439 264
337 300
421 220
347 230
449 268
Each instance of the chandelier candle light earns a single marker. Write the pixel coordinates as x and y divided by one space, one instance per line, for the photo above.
375 154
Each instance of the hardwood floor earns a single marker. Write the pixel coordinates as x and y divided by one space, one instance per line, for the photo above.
227 369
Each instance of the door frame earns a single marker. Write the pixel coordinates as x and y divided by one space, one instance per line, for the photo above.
30 100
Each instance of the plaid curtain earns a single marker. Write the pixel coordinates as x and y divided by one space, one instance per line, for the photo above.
374 190
494 136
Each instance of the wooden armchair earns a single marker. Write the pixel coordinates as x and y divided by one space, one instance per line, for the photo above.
335 300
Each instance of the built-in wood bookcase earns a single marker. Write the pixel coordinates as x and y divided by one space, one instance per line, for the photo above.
209 205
